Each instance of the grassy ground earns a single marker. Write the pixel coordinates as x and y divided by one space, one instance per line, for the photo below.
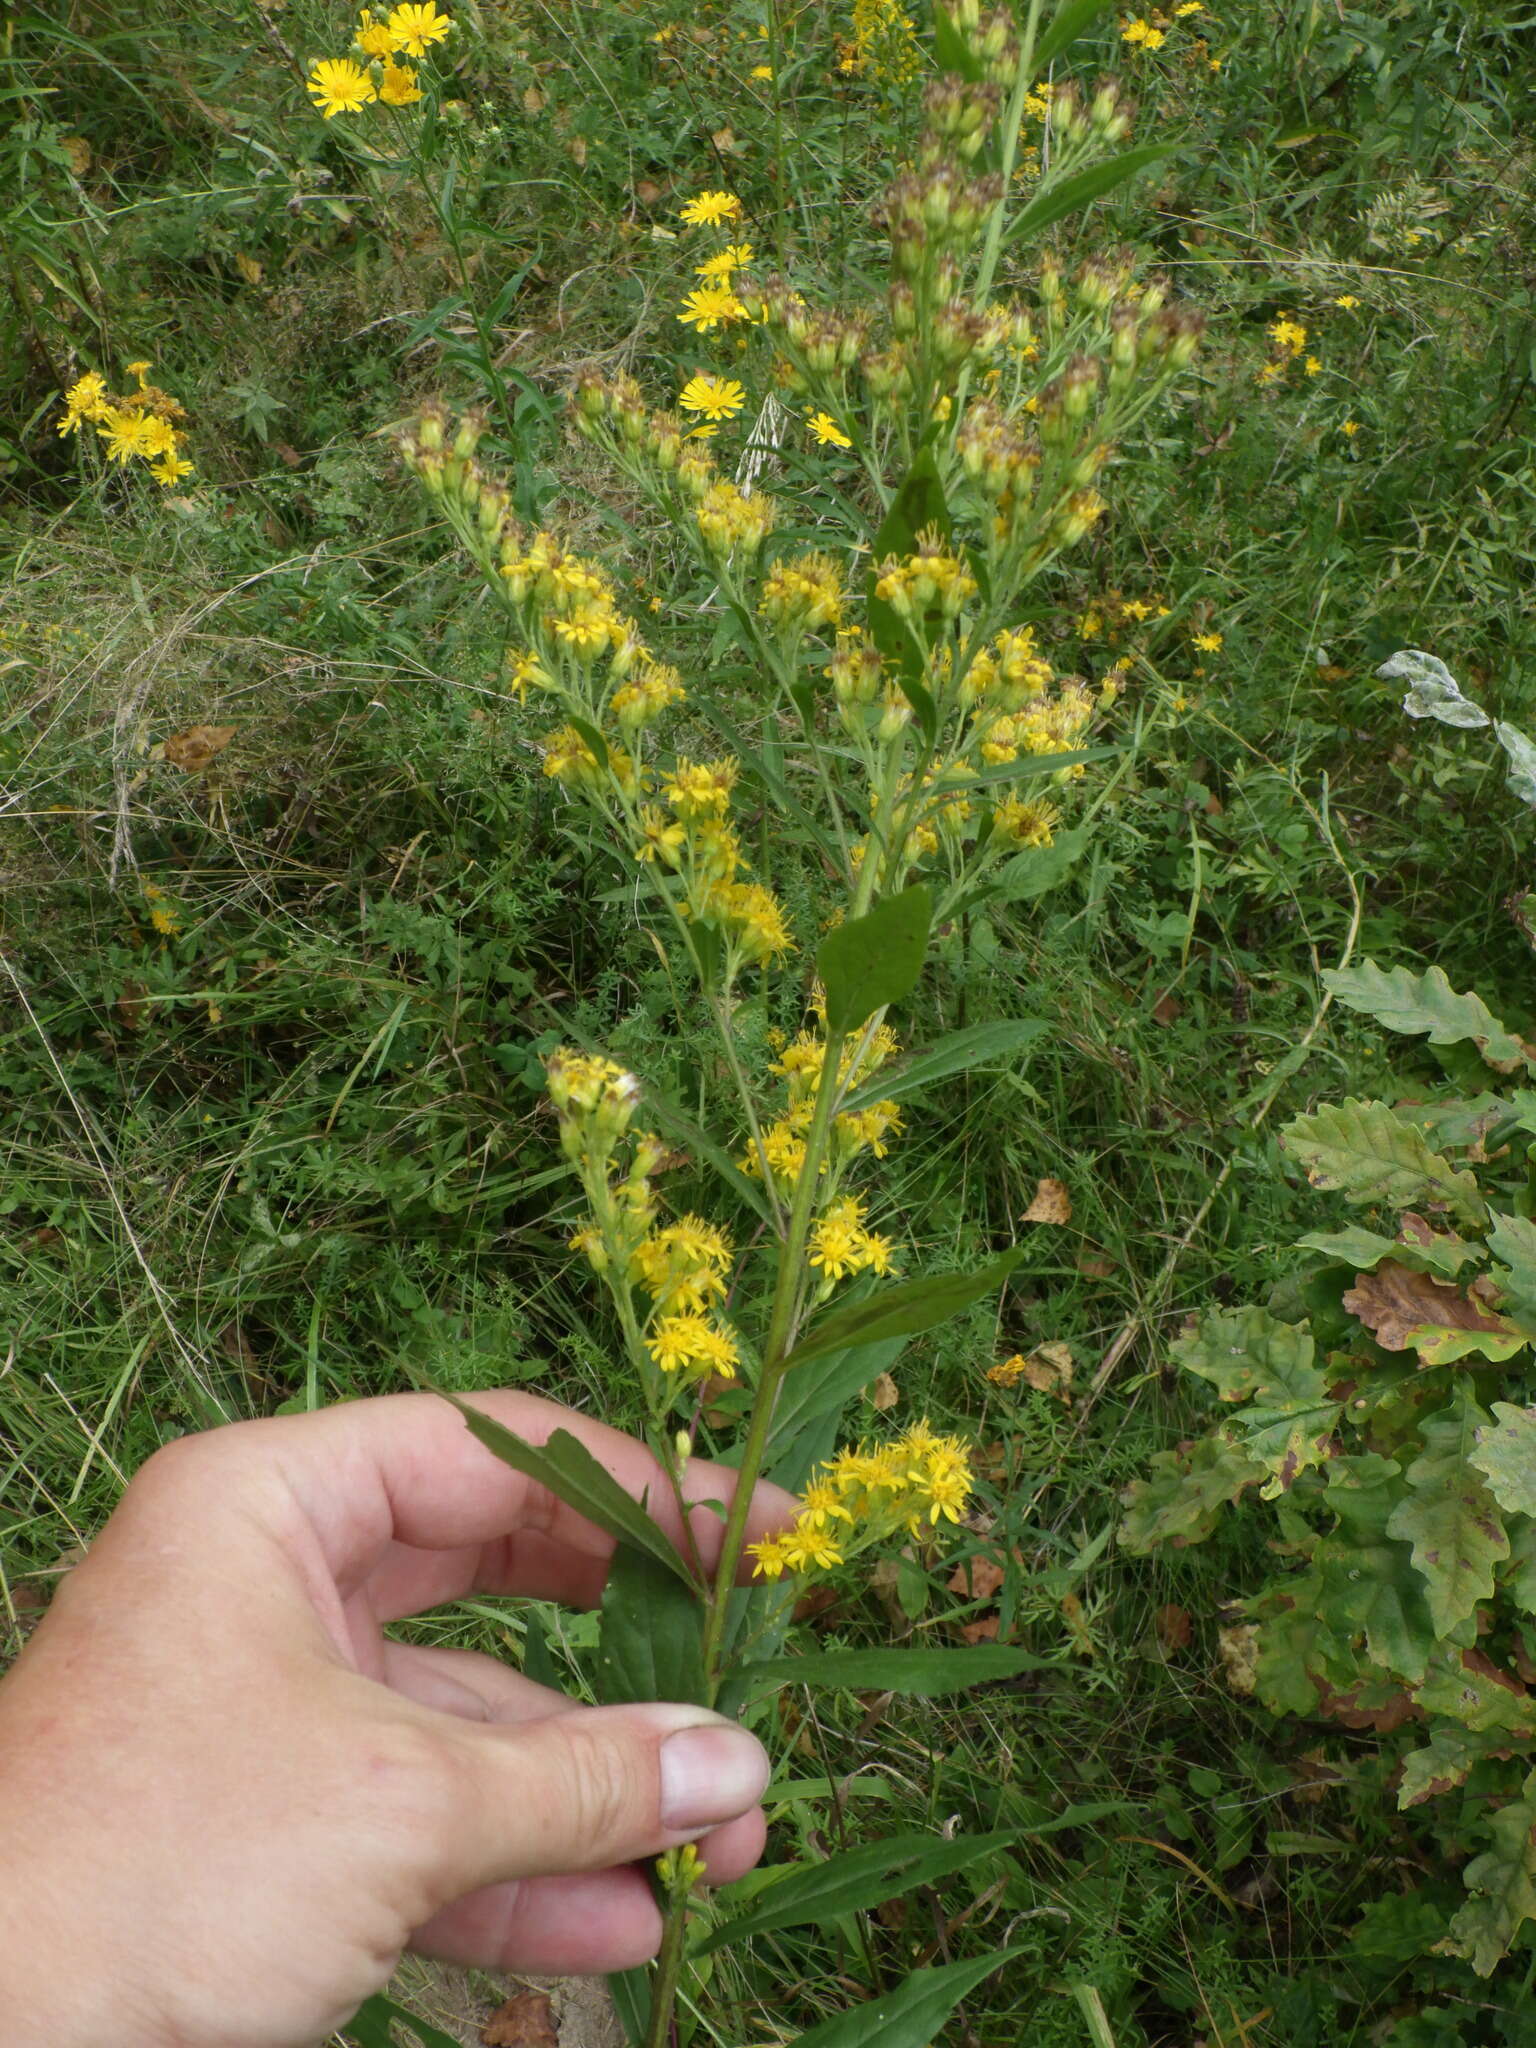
270 1049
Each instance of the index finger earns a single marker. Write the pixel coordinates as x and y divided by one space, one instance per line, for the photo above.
404 1470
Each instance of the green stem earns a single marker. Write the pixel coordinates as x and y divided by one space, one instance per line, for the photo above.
669 1968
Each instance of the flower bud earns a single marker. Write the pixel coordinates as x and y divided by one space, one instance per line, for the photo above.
896 716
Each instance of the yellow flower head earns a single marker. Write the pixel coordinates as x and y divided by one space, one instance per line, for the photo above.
712 306
338 86
86 399
170 469
700 789
708 209
414 26
717 398
128 434
1208 643
1288 334
397 84
693 1344
721 266
1348 301
827 432
374 38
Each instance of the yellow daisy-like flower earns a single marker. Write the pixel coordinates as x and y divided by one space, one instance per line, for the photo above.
827 432
718 398
1208 643
1348 301
86 399
1311 366
397 84
126 434
1142 34
414 27
708 209
1288 334
733 257
1349 427
373 38
713 306
170 469
338 86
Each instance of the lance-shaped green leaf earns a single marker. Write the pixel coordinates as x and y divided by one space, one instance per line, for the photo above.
920 1674
1371 1154
1469 1688
651 1643
1181 1499
857 1881
1449 1518
1505 1454
630 1991
979 1045
1427 1003
1367 1583
904 1311
567 1469
373 2026
1440 1252
1512 1240
912 2014
1503 1880
874 960
1070 195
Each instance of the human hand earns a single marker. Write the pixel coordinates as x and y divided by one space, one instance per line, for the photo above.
228 1801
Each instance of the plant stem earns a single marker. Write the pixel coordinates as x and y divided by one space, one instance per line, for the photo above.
669 1968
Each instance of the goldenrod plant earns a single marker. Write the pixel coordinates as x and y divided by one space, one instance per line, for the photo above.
913 473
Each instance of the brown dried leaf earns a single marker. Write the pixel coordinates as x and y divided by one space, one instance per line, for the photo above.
982 1630
1396 1304
647 191
248 267
192 750
78 150
527 2020
1174 1627
1051 1204
1049 1370
977 1578
1094 1265
884 1394
576 148
1238 1649
1167 1009
534 101
131 1006
725 141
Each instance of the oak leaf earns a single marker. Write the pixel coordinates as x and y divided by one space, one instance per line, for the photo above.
1408 1311
192 750
977 1578
1051 1203
527 2020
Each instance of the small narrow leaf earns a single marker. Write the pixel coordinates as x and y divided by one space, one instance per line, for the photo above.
979 1045
1065 26
856 1881
912 2014
650 1646
923 1674
1427 1003
373 2026
904 1311
568 1469
874 960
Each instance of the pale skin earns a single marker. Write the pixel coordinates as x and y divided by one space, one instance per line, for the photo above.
229 1802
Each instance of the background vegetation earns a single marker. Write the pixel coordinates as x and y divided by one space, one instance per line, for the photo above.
275 997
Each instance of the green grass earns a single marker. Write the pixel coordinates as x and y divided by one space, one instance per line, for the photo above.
274 1155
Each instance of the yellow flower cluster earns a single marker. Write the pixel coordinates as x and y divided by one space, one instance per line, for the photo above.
138 425
340 85
840 1245
734 521
884 42
931 579
803 596
865 1496
853 1131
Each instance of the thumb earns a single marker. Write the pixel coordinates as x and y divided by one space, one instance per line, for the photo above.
596 1787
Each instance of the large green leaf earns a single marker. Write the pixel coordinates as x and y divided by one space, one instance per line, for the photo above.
874 960
1080 190
1242 1351
912 2014
1444 1763
1505 1454
1512 1240
1371 1154
1181 1499
903 1311
856 1881
1367 1583
1504 1879
1469 1688
810 1397
1064 27
1449 1518
923 1674
1038 869
650 1646
979 1045
630 1991
1427 1003
566 1468
1439 1252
